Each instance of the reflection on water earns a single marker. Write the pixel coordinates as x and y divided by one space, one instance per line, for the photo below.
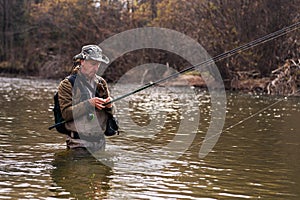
69 166
258 158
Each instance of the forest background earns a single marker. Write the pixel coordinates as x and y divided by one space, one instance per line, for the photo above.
40 37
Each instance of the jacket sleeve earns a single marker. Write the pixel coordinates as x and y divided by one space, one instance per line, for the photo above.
103 90
68 110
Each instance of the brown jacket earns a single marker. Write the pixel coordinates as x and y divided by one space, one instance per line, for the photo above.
74 106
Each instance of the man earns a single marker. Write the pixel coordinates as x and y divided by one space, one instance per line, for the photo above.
81 97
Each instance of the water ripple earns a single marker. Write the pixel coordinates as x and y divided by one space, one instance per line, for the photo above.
256 159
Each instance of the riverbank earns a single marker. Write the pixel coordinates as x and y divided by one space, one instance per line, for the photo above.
17 75
285 80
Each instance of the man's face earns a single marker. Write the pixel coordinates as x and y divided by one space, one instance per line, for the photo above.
89 68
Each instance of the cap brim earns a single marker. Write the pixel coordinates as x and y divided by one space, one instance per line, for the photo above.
103 59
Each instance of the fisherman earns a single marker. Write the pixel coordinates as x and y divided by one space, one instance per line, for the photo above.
81 97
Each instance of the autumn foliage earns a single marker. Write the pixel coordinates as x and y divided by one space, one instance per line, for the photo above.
40 37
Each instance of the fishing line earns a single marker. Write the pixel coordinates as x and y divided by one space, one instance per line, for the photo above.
245 119
236 124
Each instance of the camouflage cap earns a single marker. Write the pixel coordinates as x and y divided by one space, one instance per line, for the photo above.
94 52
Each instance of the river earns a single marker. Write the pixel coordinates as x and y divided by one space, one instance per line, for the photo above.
257 155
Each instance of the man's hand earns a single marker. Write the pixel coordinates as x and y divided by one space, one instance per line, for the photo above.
98 102
108 99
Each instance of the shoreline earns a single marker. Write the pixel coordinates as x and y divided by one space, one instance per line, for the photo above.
255 86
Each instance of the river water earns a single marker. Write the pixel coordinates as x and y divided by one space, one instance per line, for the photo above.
257 156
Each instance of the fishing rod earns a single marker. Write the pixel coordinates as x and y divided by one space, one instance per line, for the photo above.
217 58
